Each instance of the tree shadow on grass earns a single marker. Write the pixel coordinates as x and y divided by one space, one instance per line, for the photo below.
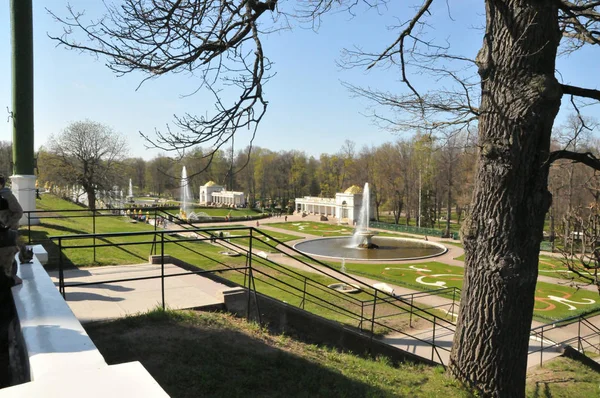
542 390
205 360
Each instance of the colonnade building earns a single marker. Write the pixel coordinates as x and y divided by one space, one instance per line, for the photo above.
345 206
212 194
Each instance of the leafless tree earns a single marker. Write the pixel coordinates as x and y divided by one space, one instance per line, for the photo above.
581 252
216 41
88 154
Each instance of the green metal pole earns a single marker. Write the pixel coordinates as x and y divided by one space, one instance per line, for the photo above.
22 81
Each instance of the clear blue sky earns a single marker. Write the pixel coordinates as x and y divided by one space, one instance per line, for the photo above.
309 109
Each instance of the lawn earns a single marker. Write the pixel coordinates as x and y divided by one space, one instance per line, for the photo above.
317 228
214 354
328 230
548 266
441 225
556 268
222 212
552 301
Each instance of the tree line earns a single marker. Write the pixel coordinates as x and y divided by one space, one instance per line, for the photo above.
417 180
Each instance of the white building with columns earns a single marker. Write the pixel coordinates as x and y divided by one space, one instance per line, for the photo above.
345 206
212 194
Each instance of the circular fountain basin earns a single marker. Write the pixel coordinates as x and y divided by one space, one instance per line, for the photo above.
389 248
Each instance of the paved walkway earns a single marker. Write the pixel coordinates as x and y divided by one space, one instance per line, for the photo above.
118 299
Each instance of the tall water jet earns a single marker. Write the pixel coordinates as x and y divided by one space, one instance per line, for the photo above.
388 248
362 236
130 193
185 194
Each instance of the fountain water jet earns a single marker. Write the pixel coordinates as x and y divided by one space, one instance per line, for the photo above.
353 248
130 192
362 236
185 194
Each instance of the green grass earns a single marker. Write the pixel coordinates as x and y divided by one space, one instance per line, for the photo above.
454 227
563 378
545 309
317 228
548 266
222 212
212 354
328 230
261 241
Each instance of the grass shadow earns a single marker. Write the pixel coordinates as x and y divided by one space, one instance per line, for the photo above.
211 359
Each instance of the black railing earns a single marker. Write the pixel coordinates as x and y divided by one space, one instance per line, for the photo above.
267 272
413 229
587 338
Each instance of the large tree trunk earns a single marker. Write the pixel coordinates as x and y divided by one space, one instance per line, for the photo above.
91 194
502 234
449 204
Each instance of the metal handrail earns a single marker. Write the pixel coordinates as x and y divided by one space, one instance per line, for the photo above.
377 296
578 339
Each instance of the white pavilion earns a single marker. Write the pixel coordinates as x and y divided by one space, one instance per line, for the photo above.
345 206
217 195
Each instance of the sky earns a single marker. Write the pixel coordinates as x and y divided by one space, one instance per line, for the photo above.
309 108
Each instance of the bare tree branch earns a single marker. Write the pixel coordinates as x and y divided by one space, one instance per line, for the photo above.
216 40
587 158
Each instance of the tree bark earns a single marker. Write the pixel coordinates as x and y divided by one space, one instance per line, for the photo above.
449 203
91 194
502 234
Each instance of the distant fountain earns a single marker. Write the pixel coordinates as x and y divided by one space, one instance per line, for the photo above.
362 236
186 196
354 248
130 193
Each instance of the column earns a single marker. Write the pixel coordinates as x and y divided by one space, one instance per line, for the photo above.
23 178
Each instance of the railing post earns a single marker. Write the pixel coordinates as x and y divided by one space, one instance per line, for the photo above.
579 345
250 276
162 268
61 275
94 231
304 293
453 301
373 315
362 315
29 227
249 271
542 348
155 221
433 339
412 296
250 247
